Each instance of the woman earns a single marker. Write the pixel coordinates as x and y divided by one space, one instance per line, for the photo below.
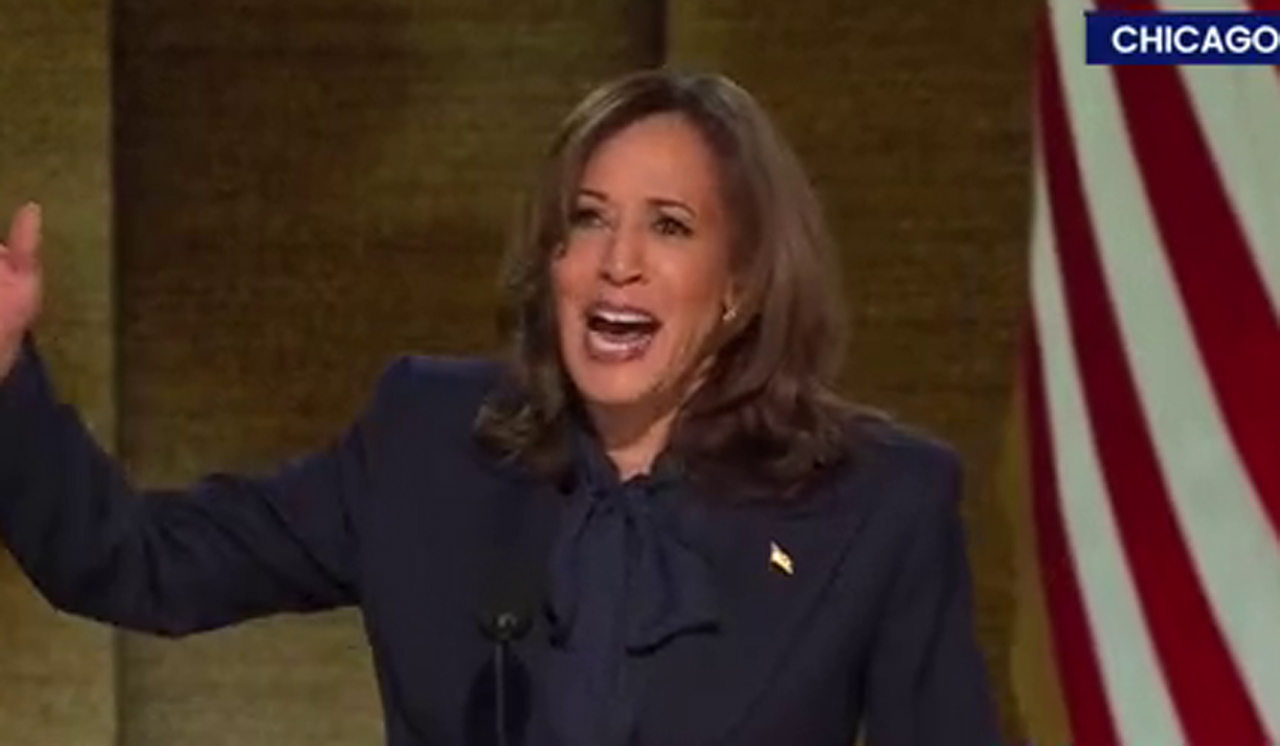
675 531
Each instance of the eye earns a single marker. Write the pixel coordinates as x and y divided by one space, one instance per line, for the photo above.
586 216
669 226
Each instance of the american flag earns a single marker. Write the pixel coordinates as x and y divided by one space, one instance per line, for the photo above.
1150 397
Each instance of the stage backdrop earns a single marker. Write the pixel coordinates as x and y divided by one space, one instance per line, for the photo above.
303 189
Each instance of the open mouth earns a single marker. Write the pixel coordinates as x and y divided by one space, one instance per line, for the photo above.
619 333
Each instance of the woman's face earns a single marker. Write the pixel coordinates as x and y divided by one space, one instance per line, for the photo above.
644 276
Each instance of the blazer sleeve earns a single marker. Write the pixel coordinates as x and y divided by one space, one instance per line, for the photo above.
226 549
927 681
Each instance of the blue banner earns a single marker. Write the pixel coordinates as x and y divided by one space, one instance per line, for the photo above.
1182 38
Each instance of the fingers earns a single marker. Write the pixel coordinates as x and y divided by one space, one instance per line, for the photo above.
24 237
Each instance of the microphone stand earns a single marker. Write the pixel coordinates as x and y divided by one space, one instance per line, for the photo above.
503 628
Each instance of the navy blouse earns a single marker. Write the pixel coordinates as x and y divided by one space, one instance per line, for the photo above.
626 577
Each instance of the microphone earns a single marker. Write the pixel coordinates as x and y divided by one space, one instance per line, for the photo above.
503 628
513 594
506 626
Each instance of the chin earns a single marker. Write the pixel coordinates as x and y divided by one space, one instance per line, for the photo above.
612 388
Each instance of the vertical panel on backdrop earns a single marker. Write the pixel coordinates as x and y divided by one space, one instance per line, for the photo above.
308 188
911 120
58 675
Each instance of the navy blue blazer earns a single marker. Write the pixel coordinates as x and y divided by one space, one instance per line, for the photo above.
871 628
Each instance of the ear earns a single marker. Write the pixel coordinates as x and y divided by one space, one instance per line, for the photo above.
730 303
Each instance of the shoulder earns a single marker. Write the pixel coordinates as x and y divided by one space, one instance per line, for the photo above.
880 442
442 390
901 470
440 374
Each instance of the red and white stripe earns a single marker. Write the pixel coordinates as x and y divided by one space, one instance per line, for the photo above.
1153 380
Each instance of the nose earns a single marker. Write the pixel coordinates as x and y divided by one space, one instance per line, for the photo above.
623 259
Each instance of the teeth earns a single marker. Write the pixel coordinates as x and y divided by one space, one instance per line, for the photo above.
606 344
624 317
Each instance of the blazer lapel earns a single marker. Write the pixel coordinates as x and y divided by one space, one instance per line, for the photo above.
771 566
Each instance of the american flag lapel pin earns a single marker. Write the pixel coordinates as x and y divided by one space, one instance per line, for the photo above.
780 559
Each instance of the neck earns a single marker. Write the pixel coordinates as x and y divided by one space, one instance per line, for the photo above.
632 436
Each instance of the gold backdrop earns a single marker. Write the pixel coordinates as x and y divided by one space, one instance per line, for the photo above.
57 675
304 188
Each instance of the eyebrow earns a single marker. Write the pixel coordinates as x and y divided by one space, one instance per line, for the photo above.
656 201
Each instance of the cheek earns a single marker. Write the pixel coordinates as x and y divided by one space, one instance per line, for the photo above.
696 296
573 278
701 277
569 280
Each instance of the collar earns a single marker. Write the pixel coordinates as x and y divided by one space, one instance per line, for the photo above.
667 581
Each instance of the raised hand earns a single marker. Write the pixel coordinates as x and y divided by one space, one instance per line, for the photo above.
20 282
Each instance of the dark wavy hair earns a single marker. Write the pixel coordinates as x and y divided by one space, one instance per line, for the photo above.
766 420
